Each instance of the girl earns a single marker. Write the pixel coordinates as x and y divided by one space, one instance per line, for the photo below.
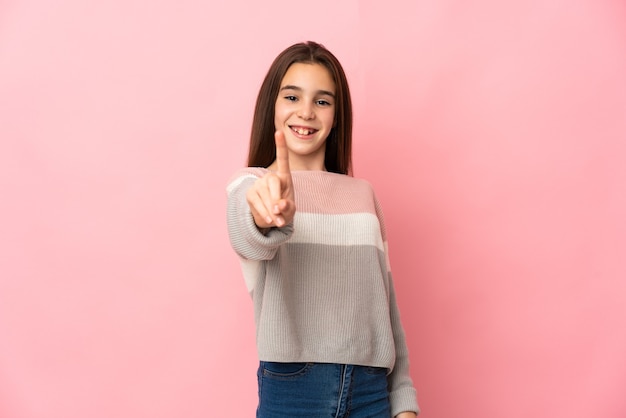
312 244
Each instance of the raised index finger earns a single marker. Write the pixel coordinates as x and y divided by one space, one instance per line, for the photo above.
282 155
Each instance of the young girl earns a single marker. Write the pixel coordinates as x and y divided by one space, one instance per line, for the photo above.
312 244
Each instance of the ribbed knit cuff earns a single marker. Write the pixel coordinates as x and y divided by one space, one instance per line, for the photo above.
402 400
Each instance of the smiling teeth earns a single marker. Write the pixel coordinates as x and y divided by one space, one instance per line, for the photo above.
302 131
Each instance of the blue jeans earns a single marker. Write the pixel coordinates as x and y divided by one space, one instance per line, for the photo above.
319 390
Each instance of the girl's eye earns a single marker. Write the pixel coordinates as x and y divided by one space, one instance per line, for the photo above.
323 103
291 98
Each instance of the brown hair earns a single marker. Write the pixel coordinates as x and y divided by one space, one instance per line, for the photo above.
338 158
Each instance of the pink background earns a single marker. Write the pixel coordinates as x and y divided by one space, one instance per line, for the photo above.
494 133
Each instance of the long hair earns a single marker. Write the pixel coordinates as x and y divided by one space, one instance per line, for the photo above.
338 157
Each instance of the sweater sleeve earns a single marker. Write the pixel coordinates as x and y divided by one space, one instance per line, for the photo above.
402 393
245 237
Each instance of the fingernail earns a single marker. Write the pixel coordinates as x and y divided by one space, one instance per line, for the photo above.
268 219
279 221
276 210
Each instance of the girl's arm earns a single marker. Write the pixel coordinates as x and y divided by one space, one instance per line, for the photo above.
402 394
248 240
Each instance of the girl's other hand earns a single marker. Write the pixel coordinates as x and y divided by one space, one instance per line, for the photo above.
271 197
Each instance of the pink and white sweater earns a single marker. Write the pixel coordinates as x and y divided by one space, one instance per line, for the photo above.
322 287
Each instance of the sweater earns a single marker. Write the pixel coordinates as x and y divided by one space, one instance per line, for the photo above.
321 286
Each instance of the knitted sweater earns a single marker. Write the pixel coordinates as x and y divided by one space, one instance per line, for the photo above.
322 287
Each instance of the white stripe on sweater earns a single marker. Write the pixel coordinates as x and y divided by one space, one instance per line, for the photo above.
337 229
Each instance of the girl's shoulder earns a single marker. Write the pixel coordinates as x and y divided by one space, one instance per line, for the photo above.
248 172
243 173
356 182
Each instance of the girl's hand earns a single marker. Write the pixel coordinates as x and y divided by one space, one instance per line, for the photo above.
271 197
406 415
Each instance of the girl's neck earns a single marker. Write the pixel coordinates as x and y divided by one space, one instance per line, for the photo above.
298 165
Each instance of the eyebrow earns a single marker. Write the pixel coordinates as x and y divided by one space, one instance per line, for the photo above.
319 92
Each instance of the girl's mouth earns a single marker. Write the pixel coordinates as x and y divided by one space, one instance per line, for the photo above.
303 131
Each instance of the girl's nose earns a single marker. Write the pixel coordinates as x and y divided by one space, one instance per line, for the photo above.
306 112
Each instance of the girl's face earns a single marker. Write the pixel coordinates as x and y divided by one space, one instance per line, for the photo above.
305 113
